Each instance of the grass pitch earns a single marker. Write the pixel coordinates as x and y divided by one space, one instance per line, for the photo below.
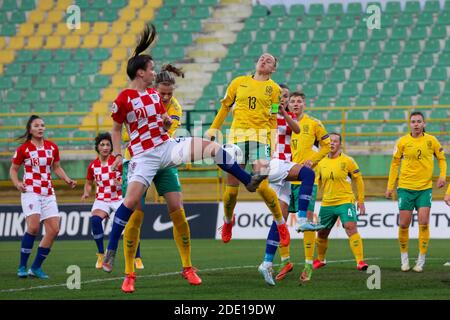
229 272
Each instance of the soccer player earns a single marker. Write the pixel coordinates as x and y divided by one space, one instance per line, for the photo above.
336 174
108 195
140 109
447 201
256 100
413 153
39 157
167 184
308 147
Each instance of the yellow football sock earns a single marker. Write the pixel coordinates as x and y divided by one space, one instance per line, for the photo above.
424 238
309 238
285 253
229 201
182 236
131 239
322 246
403 239
356 245
271 200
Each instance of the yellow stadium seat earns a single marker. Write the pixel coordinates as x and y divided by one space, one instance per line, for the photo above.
62 30
44 29
85 28
1 68
35 42
119 81
108 67
26 29
72 41
127 14
16 43
137 26
107 122
63 4
109 41
155 3
137 4
90 41
100 28
99 107
119 54
36 16
146 14
123 67
55 16
53 42
110 94
2 42
7 56
45 5
119 27
128 41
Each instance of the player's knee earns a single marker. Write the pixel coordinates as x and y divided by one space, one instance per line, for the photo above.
350 230
33 229
323 234
131 202
307 175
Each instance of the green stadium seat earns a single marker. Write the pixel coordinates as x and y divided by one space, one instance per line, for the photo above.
23 82
43 56
344 62
91 95
41 108
444 100
260 11
71 68
329 90
418 74
444 60
365 61
393 7
297 76
278 10
320 35
383 101
51 69
384 61
404 20
424 100
412 7
333 49
328 22
377 75
439 74
316 10
184 39
81 81
354 8
375 114
275 49
90 67
90 15
262 36
62 82
425 19
390 89
17 17
392 47
99 54
405 60
244 37
51 96
439 32
8 30
359 33
175 26
425 60
347 21
404 101
356 115
352 48
194 26
42 82
6 83
310 90
32 96
378 34
439 114
336 114
432 46
317 76
357 75
13 97
285 65
13 69
412 47
8 5
307 22
349 90
294 49
433 127
22 108
337 76
432 6
387 21
164 13
27 5
297 10
335 9
410 89
443 18
325 62
363 102
183 12
369 90
339 35
201 13
397 114
62 55
33 69
342 102
431 89
24 56
81 55
418 33
399 33
313 49
320 102
372 47
288 23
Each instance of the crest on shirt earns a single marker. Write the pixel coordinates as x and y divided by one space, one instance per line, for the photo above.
269 90
155 97
114 108
429 144
49 153
305 128
343 165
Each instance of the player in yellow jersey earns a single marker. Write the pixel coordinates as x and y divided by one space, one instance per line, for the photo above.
255 100
336 174
413 153
168 185
447 201
308 147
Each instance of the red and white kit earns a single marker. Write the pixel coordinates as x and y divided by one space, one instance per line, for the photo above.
108 195
39 197
284 132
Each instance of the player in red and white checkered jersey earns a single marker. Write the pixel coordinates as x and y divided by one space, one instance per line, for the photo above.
108 196
39 157
147 122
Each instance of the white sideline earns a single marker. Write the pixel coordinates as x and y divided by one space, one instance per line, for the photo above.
166 274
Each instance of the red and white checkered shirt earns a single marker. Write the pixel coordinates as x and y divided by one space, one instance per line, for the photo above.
283 148
142 114
109 182
37 166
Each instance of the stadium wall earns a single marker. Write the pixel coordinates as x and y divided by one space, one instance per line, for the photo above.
253 222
